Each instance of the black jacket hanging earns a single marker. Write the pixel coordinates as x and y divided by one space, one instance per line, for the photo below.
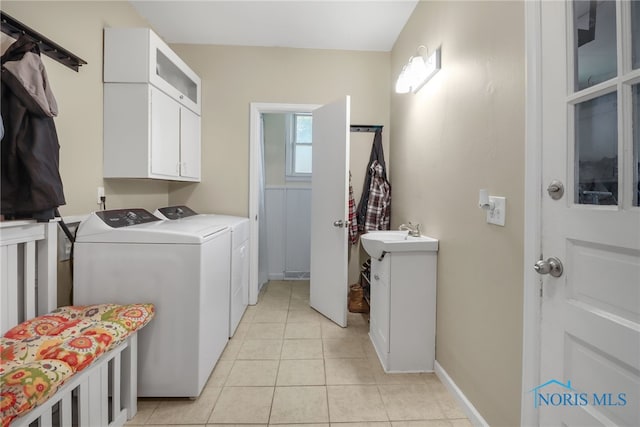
31 184
377 155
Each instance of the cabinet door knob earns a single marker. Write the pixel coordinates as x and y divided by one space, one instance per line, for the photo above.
375 276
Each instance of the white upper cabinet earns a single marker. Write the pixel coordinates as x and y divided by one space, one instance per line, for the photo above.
138 55
151 109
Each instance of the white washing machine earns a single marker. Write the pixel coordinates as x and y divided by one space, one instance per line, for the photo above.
239 284
130 256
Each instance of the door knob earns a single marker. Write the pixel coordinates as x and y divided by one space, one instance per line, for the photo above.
555 190
340 223
551 266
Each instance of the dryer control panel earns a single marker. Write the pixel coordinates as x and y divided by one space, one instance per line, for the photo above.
177 212
117 218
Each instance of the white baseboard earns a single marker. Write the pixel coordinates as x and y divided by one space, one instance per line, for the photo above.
468 408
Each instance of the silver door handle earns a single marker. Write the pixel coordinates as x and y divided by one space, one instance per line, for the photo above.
552 266
555 189
341 223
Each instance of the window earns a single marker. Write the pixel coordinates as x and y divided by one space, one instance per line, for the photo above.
299 146
595 42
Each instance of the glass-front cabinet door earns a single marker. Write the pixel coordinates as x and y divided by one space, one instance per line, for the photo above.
138 55
170 73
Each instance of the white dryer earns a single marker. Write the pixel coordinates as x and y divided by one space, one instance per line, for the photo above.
239 284
128 256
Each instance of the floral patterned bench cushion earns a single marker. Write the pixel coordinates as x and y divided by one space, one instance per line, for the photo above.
40 354
26 385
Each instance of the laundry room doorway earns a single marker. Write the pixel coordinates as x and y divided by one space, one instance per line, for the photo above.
325 229
273 187
287 156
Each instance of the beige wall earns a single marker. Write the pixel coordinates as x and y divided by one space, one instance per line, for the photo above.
274 149
462 132
275 163
275 153
78 26
234 77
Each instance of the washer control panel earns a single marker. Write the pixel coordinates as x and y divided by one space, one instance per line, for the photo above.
177 212
117 218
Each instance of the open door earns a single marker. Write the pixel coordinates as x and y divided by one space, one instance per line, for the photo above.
329 210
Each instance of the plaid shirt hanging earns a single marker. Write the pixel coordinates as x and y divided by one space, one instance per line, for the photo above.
379 204
353 218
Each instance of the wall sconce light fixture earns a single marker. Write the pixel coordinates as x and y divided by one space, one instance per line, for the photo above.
417 72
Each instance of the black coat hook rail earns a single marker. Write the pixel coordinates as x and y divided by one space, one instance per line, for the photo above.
366 128
15 29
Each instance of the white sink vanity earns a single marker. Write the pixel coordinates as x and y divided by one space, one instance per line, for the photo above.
402 299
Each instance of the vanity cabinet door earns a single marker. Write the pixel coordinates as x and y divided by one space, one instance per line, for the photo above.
380 303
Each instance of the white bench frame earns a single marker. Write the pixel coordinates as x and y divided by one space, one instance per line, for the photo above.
105 392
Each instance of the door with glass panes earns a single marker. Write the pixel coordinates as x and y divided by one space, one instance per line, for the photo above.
590 231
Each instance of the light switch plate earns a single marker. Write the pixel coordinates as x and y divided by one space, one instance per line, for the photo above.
498 214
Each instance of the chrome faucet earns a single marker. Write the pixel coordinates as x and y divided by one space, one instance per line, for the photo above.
414 229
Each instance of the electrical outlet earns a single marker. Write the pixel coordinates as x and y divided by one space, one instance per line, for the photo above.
498 214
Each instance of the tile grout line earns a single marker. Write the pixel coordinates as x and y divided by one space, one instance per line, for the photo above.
275 385
326 380
226 378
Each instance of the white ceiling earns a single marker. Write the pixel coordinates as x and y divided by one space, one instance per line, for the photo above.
372 25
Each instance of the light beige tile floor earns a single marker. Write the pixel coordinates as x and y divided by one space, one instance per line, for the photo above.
288 365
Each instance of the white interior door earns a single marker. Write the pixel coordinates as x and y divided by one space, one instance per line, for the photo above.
329 210
590 325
